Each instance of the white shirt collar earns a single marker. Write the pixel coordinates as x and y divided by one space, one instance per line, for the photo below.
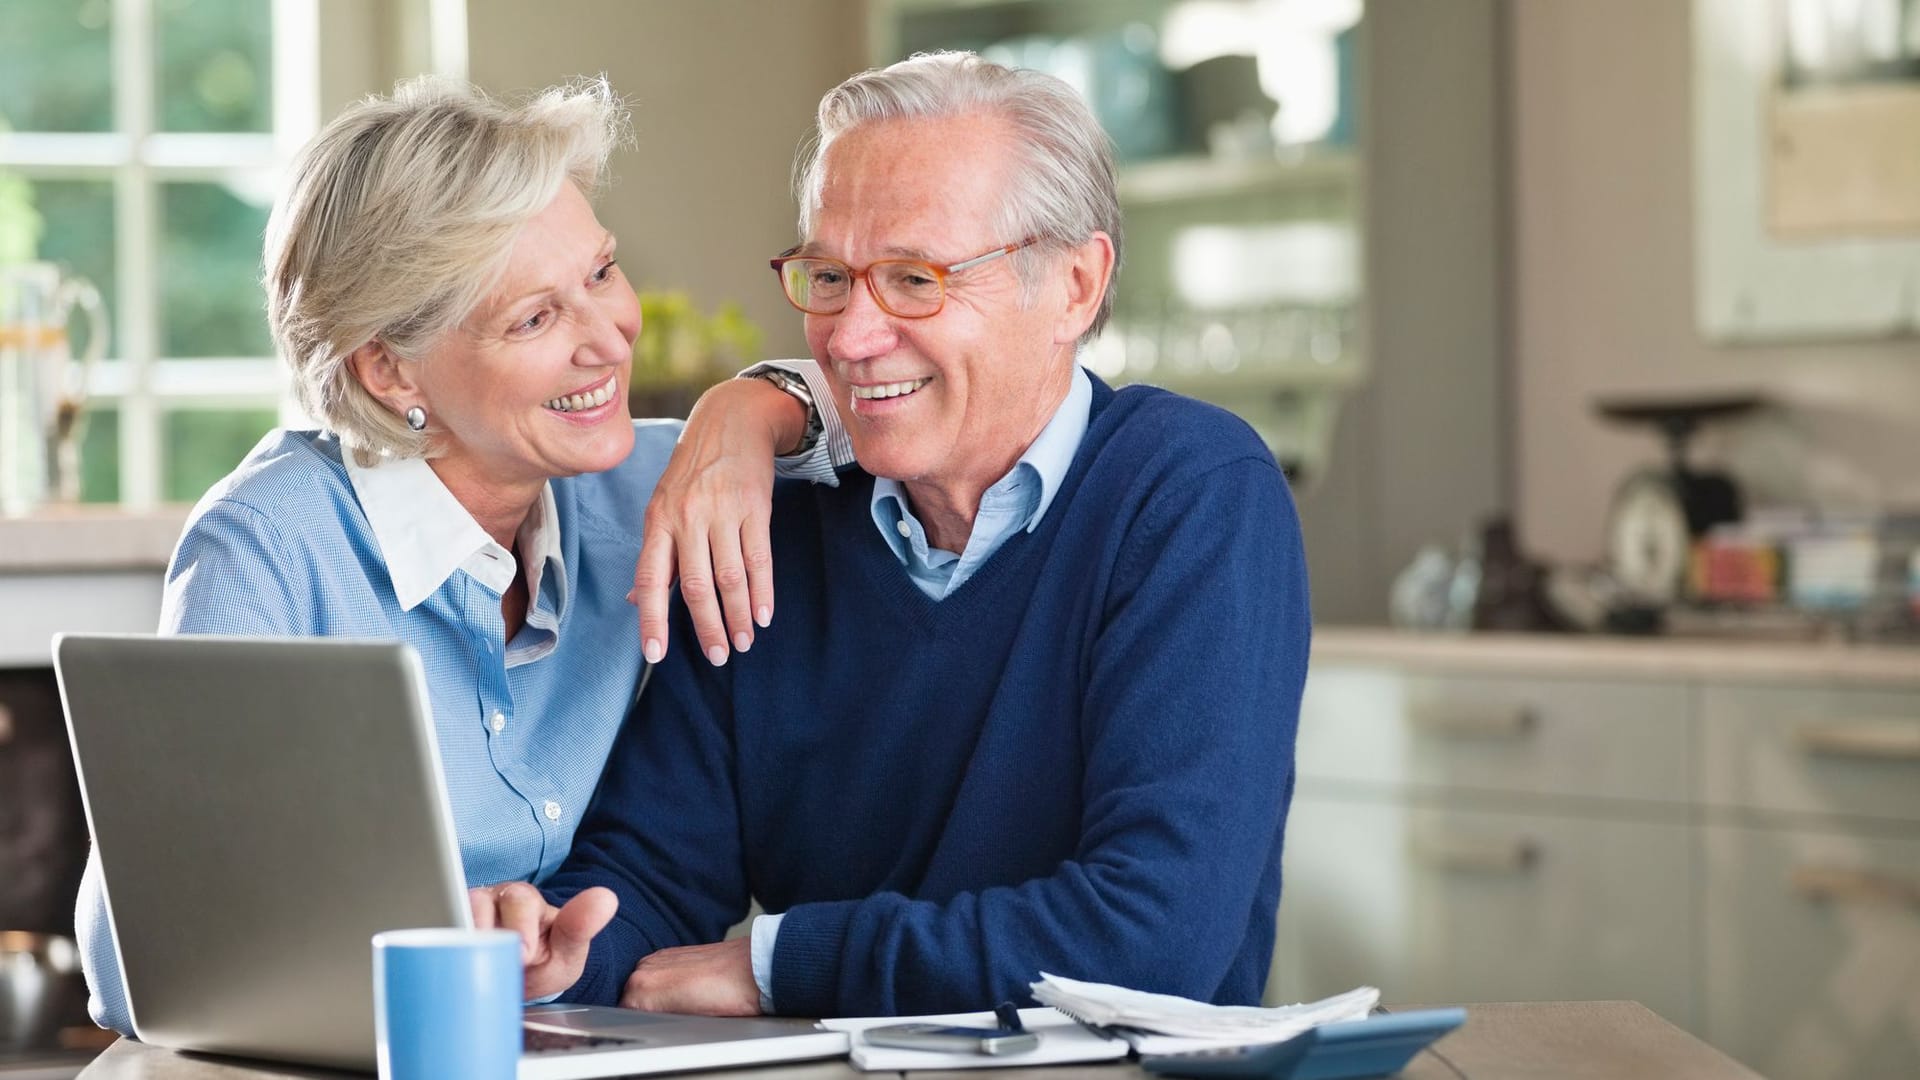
425 534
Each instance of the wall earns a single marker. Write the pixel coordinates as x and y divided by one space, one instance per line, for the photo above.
722 94
1601 174
1421 452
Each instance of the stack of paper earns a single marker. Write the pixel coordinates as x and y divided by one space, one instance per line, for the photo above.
1097 1022
1163 1024
1061 1040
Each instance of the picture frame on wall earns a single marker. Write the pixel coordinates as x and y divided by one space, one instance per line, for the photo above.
1807 169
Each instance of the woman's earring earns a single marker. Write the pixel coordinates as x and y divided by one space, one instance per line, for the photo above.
417 418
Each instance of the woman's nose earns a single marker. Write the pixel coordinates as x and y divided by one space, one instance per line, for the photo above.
612 327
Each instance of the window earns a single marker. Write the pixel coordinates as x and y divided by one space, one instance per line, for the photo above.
150 136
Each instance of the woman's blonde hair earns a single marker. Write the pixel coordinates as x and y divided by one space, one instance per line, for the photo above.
397 221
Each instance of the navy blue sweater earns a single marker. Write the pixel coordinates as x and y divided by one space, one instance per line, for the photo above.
1079 762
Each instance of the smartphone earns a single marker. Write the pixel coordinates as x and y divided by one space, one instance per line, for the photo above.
962 1040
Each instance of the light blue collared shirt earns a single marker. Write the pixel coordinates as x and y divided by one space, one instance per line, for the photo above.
1018 500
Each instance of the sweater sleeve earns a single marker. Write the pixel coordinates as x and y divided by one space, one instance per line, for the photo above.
1190 701
664 829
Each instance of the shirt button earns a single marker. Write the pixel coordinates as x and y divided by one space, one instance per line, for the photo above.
498 721
903 529
553 810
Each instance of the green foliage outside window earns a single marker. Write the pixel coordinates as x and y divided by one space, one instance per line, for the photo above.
55 65
212 73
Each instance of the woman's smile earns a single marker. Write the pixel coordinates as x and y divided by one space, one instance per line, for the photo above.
585 400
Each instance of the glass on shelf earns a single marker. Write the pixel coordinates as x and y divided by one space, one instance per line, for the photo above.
1179 342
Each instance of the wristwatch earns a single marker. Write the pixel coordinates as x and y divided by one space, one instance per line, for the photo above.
797 386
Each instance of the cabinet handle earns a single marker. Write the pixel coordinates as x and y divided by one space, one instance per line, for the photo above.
1833 884
6 725
1477 855
1880 740
1471 725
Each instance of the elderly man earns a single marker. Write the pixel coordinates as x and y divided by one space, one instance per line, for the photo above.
1032 699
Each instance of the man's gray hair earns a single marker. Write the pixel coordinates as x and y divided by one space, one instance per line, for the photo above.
1063 182
398 219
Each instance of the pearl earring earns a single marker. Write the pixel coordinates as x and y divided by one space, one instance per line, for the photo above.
417 418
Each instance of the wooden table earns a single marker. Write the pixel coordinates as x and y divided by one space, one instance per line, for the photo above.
1595 1040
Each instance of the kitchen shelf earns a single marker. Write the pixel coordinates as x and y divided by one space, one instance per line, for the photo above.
1186 179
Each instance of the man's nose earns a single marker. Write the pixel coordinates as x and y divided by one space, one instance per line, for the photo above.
862 331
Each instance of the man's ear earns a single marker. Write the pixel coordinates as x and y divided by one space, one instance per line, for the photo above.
1089 270
384 376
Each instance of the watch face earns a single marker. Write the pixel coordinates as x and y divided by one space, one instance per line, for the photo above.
1648 537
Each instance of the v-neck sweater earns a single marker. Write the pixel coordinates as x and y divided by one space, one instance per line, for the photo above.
1078 762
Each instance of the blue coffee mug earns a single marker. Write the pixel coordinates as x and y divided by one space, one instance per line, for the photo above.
447 1003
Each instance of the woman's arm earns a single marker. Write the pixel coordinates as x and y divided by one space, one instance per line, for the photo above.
707 522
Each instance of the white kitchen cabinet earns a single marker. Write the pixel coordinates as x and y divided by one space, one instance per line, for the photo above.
1812 950
1553 737
80 569
1436 904
1820 750
1729 834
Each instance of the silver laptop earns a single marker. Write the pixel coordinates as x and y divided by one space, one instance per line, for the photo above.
261 809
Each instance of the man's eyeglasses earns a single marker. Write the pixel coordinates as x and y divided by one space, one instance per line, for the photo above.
904 288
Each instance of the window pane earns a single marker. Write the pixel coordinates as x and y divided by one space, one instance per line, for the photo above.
203 445
100 457
54 65
79 236
211 303
213 65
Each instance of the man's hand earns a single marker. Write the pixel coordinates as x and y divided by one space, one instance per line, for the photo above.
708 980
553 941
709 517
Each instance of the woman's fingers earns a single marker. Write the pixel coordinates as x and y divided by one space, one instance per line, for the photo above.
708 521
756 551
653 589
731 580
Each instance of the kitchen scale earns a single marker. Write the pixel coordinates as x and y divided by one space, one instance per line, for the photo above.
1659 511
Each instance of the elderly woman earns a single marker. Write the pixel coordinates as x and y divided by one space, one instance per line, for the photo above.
455 315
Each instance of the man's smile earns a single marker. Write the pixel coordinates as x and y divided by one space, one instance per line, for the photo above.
888 390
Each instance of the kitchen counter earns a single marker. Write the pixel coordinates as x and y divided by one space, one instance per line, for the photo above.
85 568
1571 655
90 538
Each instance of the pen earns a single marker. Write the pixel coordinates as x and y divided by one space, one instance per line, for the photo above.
1009 1016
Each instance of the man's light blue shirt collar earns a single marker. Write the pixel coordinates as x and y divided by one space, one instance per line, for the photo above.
1017 500
426 535
1049 456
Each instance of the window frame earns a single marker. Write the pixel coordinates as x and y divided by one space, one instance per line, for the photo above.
136 160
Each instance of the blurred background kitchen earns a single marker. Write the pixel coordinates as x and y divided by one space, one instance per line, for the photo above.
1585 329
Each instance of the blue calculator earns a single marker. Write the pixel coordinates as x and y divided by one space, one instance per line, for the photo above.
1377 1046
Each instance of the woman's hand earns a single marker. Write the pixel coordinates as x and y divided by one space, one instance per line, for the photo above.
708 519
